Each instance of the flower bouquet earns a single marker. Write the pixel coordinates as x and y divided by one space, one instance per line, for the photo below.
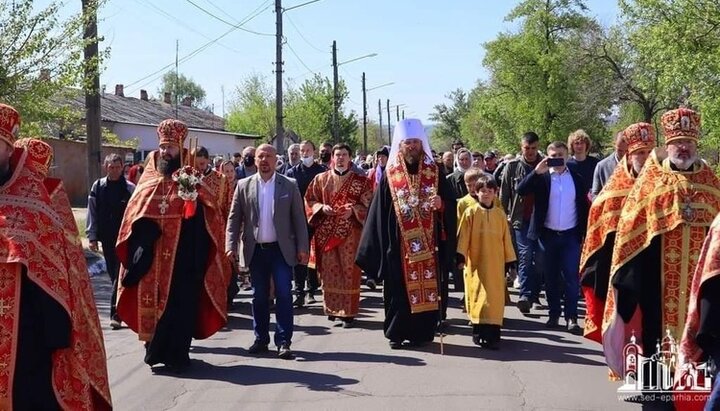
188 179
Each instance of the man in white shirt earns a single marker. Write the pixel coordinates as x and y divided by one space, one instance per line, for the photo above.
269 215
559 221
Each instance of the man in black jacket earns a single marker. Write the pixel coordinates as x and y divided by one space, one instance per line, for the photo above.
559 222
106 205
303 174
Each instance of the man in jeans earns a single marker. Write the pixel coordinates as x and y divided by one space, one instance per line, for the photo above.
519 208
559 221
106 205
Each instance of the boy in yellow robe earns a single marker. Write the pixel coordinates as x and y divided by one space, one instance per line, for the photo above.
485 243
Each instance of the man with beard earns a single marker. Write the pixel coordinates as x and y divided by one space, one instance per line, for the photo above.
336 204
326 155
174 274
213 180
303 174
639 139
658 242
52 354
412 213
448 162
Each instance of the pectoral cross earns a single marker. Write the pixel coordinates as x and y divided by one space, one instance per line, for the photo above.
163 206
4 307
687 210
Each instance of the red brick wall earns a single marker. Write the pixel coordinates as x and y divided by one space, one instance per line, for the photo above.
70 165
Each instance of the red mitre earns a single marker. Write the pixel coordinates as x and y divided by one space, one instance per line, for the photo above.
639 136
9 124
172 131
681 123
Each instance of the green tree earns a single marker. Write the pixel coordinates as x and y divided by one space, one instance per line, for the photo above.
186 88
448 118
40 59
538 80
253 109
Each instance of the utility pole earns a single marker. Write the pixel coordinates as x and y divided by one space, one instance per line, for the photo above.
388 111
364 114
177 76
397 113
336 98
279 127
92 91
403 115
380 116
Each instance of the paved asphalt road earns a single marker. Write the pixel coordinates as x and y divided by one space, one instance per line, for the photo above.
341 369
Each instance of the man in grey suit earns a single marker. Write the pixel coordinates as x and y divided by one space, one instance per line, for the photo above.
606 166
268 212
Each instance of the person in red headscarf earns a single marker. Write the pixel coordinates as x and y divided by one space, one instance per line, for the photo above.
174 274
52 354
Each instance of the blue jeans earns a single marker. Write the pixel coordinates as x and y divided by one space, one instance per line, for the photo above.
527 251
269 262
562 260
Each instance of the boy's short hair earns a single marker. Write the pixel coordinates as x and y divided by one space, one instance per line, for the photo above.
473 173
486 181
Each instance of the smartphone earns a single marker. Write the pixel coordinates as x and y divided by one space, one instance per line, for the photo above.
555 162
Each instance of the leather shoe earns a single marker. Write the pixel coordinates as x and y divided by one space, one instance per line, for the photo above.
284 352
395 345
258 348
552 322
299 301
573 327
371 284
524 306
311 299
347 323
115 324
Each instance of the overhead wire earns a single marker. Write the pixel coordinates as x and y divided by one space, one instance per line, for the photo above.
200 49
292 23
238 26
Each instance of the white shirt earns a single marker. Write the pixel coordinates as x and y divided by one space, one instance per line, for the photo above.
266 202
562 212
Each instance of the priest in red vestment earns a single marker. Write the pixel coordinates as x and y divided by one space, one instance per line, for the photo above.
174 276
52 354
336 204
602 224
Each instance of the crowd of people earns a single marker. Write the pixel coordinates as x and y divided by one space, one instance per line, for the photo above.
627 234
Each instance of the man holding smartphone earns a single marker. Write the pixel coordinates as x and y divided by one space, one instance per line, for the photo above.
559 222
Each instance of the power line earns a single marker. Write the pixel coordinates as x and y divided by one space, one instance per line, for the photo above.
182 23
303 37
296 56
227 22
221 10
198 50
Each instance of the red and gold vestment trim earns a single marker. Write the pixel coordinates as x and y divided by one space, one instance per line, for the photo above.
602 221
411 195
141 306
37 231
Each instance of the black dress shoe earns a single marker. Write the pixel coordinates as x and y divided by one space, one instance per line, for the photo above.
371 284
311 298
524 306
573 327
258 348
348 322
331 317
284 352
299 301
395 345
552 322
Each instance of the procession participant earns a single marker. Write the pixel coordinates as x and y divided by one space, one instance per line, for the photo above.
336 204
658 241
482 231
412 214
463 162
603 219
215 181
174 274
52 352
376 173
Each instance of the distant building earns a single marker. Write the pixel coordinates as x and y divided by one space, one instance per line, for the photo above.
130 117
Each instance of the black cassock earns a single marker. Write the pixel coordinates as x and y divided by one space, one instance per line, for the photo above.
379 256
171 342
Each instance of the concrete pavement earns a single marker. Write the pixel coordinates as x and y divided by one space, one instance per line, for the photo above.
349 369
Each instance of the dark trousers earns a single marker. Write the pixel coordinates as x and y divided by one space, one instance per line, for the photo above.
267 262
302 275
113 269
562 256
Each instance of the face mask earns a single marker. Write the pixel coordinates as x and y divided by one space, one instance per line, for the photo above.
249 161
325 157
307 161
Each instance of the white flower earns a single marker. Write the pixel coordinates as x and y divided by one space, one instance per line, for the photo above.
413 201
401 193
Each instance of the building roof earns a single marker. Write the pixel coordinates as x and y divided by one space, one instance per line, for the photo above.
120 109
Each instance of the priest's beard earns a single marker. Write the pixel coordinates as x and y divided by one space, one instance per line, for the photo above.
411 156
683 164
168 165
